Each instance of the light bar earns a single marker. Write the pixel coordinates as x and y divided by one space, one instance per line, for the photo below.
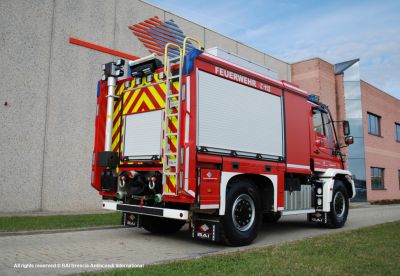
141 60
313 98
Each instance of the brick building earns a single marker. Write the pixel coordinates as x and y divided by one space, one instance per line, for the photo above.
374 117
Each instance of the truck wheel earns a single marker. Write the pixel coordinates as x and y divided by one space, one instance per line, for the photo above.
271 217
339 206
242 214
159 225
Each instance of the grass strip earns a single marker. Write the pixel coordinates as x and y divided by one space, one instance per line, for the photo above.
29 223
367 251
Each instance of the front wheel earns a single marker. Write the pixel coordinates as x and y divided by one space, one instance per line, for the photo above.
242 214
339 206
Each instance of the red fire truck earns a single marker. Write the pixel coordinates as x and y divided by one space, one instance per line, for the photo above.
203 139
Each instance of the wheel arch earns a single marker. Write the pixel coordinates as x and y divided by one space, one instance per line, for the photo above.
347 184
329 177
265 184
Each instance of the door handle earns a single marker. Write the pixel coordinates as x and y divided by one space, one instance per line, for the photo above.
316 151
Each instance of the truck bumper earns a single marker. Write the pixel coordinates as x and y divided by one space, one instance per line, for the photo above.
145 210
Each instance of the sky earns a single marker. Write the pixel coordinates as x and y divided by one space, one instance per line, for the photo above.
292 31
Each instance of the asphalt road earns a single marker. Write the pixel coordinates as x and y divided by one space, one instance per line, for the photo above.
100 248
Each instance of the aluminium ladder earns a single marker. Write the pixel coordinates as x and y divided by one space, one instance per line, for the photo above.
173 102
172 157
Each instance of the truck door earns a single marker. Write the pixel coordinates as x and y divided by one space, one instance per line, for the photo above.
323 146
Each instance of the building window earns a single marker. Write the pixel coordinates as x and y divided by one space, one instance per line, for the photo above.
374 124
377 182
397 126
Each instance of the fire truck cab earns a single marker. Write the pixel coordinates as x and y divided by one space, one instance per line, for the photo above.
209 140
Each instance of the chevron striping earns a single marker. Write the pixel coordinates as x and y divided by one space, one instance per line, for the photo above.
157 97
171 184
153 100
143 101
129 98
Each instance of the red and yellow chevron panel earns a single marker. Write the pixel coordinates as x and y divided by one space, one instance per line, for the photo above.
137 100
143 99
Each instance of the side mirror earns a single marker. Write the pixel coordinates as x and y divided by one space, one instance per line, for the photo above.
346 128
349 140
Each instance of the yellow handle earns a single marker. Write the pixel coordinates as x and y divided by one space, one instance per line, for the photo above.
166 53
192 39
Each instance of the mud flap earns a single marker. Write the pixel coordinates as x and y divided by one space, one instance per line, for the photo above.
207 230
130 220
318 217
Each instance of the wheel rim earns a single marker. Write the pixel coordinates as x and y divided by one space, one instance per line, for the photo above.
243 212
339 204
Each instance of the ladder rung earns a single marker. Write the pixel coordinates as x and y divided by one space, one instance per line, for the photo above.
171 163
173 104
169 173
173 95
174 77
172 134
174 58
170 153
172 114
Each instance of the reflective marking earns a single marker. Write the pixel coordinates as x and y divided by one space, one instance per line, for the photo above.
187 128
298 166
186 168
188 94
157 96
131 100
209 206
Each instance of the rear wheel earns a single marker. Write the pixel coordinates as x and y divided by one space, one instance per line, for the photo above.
161 225
242 214
339 206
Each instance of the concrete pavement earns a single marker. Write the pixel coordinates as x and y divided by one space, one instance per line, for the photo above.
100 249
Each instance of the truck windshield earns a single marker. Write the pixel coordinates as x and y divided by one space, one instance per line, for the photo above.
323 127
318 123
328 131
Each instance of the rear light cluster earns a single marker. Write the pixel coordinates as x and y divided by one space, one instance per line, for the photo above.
113 69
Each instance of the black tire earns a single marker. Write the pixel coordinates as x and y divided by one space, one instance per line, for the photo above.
159 225
243 215
271 217
339 206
